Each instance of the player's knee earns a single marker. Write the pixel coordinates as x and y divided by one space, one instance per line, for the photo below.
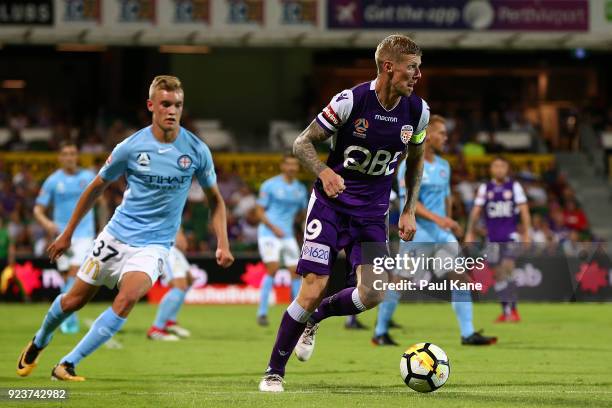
182 286
310 297
272 267
124 302
311 292
72 302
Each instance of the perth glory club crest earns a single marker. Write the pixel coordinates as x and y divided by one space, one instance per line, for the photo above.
406 133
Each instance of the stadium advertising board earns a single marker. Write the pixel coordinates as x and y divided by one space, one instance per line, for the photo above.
542 278
192 11
531 15
245 12
81 11
299 12
137 11
30 12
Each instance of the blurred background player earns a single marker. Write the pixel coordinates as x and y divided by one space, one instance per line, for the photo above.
282 198
159 162
62 190
7 247
352 323
502 198
434 226
166 327
373 125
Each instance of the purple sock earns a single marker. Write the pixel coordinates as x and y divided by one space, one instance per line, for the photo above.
507 294
291 328
344 303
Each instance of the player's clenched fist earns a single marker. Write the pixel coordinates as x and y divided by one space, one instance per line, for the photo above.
224 257
407 226
333 184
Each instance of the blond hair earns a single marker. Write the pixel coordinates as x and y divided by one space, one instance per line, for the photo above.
167 83
392 47
437 118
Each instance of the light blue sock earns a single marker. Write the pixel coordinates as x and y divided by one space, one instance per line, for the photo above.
71 324
295 287
105 327
177 305
54 317
169 305
385 312
264 295
462 305
68 283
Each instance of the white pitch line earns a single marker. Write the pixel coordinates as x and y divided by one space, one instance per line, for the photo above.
331 391
111 343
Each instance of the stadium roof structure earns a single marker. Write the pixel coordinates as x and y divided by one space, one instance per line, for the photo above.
430 39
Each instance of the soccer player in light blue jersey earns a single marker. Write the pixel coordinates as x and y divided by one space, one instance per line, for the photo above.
158 162
434 226
62 190
281 199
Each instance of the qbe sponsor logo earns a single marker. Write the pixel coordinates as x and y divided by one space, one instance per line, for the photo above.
319 253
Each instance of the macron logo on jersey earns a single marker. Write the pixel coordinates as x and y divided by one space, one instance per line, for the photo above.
386 118
341 97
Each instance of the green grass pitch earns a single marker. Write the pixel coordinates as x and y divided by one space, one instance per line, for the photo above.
559 356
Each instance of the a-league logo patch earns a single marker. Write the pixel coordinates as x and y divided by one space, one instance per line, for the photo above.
361 127
184 162
406 133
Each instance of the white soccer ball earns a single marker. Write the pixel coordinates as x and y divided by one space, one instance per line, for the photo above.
424 367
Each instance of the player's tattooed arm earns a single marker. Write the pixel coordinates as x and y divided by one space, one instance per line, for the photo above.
413 176
304 148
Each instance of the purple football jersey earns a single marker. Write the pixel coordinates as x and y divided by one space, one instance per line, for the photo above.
500 202
367 143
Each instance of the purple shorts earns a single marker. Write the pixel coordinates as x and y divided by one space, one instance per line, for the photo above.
329 231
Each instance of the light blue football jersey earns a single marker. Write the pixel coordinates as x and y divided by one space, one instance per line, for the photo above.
158 179
435 187
63 190
282 201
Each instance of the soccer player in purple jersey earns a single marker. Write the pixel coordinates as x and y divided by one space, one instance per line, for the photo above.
502 198
372 126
